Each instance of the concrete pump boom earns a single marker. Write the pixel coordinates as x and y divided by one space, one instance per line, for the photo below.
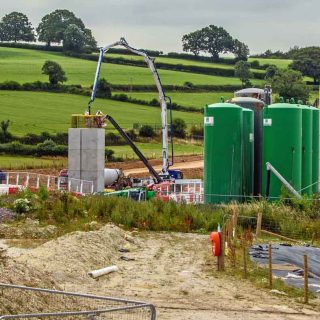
162 97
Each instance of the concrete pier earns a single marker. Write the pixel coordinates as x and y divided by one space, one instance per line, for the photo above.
86 155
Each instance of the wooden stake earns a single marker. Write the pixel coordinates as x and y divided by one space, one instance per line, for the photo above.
259 222
270 265
221 257
244 261
306 273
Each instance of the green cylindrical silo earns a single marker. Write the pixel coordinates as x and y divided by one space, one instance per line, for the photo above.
306 169
282 145
248 152
315 149
223 126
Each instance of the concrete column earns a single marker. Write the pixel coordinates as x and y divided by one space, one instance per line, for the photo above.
86 155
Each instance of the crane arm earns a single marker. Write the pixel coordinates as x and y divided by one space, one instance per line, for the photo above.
162 97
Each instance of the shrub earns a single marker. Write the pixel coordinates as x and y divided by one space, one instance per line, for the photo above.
147 131
103 89
112 139
255 64
21 205
132 134
179 128
196 132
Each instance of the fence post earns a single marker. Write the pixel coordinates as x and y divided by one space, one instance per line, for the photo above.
221 257
244 260
270 265
306 285
259 222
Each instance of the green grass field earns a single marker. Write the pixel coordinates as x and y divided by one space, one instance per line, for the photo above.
187 99
8 162
25 65
174 61
280 63
154 150
40 111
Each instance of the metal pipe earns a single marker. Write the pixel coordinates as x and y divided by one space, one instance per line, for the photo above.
283 180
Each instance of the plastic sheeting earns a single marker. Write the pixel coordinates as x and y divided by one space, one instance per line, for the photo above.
287 255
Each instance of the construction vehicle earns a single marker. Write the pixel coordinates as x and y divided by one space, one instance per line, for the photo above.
165 174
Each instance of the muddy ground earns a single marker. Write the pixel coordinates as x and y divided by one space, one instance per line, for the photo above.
174 271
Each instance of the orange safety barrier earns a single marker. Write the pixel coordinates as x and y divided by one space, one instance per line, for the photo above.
216 243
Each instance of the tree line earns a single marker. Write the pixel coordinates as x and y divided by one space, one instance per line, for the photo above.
59 26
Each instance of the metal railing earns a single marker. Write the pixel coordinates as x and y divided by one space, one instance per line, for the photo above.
29 302
182 191
51 183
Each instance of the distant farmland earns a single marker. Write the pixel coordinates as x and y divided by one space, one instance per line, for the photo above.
25 65
37 112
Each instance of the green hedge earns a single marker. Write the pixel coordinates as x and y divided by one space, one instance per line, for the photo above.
31 46
47 148
166 66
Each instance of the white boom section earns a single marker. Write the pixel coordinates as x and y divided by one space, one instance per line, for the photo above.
163 103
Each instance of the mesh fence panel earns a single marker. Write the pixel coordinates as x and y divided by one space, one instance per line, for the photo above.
17 302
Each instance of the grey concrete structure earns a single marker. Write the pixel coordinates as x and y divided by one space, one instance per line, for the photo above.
86 155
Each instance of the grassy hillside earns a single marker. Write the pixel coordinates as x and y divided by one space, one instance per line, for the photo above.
188 99
184 62
37 111
25 65
280 63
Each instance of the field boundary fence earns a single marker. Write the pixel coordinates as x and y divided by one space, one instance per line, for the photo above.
53 304
12 182
244 237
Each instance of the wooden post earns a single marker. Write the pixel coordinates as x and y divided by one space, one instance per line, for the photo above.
244 261
306 273
270 265
221 257
259 222
235 224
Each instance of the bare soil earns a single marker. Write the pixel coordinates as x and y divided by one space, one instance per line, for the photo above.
192 167
174 271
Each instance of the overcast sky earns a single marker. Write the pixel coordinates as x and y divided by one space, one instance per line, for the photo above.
160 24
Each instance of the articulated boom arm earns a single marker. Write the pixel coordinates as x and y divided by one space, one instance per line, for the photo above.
162 97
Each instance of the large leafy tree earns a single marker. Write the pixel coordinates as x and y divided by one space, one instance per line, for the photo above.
193 42
242 71
54 71
307 61
74 38
240 50
53 25
216 40
289 84
16 26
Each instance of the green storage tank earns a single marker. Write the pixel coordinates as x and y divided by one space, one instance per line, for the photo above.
282 145
315 149
248 152
306 169
223 127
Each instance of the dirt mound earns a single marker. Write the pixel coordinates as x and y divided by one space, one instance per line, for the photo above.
73 255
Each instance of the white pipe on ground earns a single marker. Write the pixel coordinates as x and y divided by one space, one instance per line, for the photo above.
101 272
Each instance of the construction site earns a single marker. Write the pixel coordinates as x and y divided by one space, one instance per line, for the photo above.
231 232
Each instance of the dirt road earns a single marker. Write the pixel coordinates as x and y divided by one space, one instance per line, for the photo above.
180 165
174 271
